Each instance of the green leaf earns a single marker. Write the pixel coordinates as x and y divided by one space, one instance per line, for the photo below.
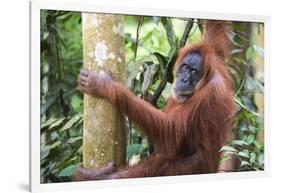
225 158
249 53
239 142
244 107
244 163
253 157
167 91
54 145
250 139
261 159
68 171
258 145
148 75
243 154
168 25
71 122
74 139
133 69
76 103
252 84
133 149
54 135
49 103
162 60
228 148
44 152
57 123
253 129
48 122
247 102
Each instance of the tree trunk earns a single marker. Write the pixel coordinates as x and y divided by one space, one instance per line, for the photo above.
259 75
104 130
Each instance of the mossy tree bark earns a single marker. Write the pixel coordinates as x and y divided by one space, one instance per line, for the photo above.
103 50
259 74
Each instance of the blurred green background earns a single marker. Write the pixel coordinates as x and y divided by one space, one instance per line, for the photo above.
150 44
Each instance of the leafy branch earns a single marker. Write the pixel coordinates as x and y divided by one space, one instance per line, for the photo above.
168 74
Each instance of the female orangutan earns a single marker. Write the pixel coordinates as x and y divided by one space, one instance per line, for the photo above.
196 122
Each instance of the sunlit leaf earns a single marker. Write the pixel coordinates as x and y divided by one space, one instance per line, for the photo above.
225 158
74 139
249 53
250 139
243 154
57 123
76 103
244 163
239 142
168 91
228 148
54 145
48 122
244 107
71 122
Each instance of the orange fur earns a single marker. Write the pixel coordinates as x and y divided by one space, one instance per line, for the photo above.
186 136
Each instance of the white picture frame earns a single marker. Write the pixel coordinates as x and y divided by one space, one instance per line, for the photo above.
89 6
